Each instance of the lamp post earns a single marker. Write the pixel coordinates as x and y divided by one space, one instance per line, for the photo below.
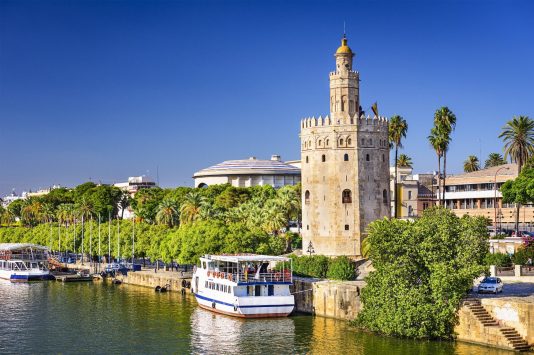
495 197
310 248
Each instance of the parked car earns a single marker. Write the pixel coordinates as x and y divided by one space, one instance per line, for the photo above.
490 285
523 234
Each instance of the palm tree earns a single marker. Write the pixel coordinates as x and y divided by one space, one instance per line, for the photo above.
190 209
518 138
438 141
124 202
168 213
398 127
445 120
494 159
290 202
471 164
31 212
404 161
273 217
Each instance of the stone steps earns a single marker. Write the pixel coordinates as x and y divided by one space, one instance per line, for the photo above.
510 335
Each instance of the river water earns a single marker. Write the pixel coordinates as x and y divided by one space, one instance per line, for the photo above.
96 318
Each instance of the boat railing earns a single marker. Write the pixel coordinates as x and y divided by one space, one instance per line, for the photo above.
23 256
253 277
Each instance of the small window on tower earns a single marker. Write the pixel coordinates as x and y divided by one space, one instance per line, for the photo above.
346 157
346 196
307 197
320 142
323 158
341 141
385 196
346 227
349 141
367 157
308 161
327 141
383 158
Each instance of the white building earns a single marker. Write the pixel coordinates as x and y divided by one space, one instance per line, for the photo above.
6 200
135 183
250 172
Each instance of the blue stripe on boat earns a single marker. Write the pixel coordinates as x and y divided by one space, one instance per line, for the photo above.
248 306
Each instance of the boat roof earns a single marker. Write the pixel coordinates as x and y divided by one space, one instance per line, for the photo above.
235 258
17 246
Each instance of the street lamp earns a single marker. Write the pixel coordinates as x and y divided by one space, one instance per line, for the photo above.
310 248
495 197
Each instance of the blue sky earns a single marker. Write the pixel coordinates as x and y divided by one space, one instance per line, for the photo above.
104 90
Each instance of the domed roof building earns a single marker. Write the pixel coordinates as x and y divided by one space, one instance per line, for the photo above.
250 172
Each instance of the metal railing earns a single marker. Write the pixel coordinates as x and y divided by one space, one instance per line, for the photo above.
252 277
527 270
504 271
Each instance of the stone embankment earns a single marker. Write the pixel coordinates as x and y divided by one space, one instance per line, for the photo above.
499 322
326 298
149 278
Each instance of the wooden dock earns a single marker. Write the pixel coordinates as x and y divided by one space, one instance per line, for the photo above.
73 278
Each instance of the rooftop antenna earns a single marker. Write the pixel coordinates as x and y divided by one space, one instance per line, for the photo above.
157 174
344 30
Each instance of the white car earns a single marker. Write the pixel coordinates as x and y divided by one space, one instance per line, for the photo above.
490 285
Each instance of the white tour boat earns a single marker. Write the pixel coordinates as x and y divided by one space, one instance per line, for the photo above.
22 262
250 286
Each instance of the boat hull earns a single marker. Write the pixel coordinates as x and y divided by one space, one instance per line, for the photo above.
246 309
29 276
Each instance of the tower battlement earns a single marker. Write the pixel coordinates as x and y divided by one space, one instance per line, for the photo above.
363 120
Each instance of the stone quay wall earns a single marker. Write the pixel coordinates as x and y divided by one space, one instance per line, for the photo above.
515 312
152 279
325 298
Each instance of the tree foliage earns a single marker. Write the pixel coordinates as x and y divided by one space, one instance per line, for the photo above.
423 269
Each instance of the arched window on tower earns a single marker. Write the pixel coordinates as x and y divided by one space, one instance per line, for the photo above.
320 142
323 158
307 197
306 159
341 141
349 141
327 142
346 157
346 196
385 197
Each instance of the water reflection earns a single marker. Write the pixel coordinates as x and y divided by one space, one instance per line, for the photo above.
97 318
215 333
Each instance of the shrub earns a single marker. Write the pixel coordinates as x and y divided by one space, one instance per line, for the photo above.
522 255
497 259
310 266
341 268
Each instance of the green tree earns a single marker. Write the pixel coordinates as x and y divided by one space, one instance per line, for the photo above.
445 121
398 128
494 159
471 164
168 213
422 271
404 161
190 209
518 138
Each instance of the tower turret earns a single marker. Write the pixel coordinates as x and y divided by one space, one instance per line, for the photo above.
344 84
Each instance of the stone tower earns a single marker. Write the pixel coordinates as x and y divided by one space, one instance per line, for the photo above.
345 167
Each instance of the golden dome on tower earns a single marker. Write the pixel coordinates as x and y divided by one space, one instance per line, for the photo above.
344 48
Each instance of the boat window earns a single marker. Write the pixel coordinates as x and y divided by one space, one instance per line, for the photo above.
229 289
270 290
257 290
206 284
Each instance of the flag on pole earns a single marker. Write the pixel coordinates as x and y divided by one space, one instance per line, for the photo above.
375 108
